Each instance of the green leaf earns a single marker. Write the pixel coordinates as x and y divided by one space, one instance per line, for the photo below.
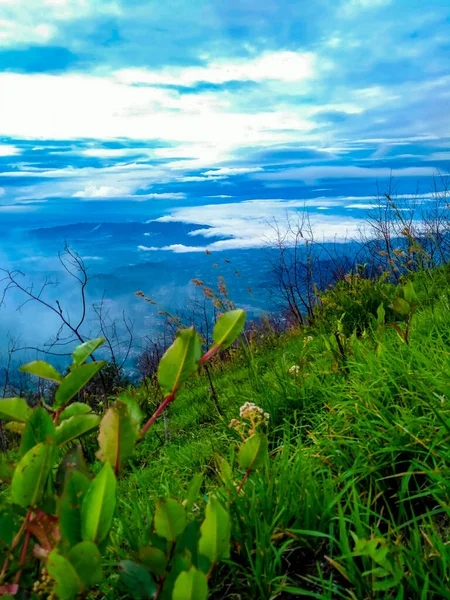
214 542
75 381
84 351
8 527
86 559
401 306
72 461
170 519
137 580
98 505
409 292
190 585
75 489
381 315
30 476
14 409
228 327
153 559
15 427
75 427
68 583
134 410
117 437
253 452
193 490
38 428
43 370
180 361
76 408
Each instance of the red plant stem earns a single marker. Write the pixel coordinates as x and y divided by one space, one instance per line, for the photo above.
246 476
57 413
15 541
209 354
156 414
23 556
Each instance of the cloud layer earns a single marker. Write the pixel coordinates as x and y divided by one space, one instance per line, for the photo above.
126 103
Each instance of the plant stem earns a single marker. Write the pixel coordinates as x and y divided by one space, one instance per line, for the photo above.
213 390
209 354
156 414
23 556
246 476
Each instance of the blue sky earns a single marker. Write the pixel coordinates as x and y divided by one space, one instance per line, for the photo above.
222 113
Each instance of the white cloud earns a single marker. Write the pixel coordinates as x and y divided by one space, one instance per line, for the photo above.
15 208
14 32
9 150
93 192
80 106
281 66
232 171
102 191
110 152
247 224
314 174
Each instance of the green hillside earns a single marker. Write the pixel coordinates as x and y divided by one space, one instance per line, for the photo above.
350 499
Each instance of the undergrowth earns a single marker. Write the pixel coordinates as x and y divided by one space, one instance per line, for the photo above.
350 499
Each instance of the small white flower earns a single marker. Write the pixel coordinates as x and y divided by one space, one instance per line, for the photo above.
295 369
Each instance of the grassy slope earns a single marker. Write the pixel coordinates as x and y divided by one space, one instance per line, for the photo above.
360 452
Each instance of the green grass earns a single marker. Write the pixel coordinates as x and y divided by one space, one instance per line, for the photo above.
354 500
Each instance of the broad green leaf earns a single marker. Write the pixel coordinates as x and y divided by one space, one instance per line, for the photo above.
76 408
43 370
98 505
68 583
84 351
86 559
38 428
134 410
214 542
15 427
137 580
170 519
253 452
180 361
72 461
14 409
409 292
225 470
30 476
190 585
193 490
228 327
381 315
75 427
75 381
153 559
401 306
117 437
75 489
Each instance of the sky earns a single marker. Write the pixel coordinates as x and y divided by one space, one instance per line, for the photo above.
222 114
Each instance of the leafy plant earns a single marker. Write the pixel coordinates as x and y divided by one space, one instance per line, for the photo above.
64 515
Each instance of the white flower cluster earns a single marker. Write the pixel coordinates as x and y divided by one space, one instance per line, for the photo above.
252 417
249 411
294 370
307 339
